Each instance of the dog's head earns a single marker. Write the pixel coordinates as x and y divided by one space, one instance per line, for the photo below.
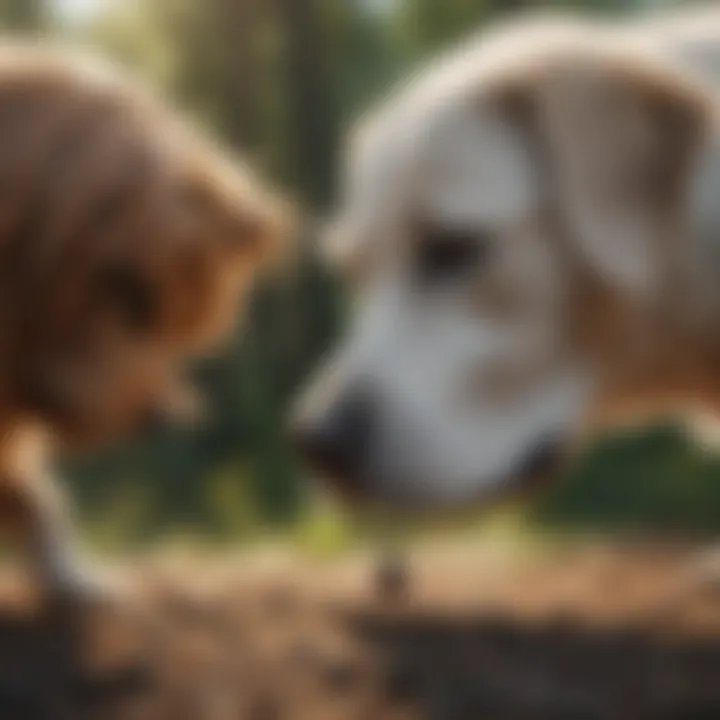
509 226
126 243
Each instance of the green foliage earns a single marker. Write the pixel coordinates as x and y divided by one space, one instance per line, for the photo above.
656 480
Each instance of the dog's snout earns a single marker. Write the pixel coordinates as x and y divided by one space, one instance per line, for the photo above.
545 458
335 439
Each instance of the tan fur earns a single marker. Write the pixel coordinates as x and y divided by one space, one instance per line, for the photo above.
654 354
126 243
651 351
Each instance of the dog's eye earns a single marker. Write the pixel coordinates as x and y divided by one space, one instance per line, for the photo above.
130 294
444 253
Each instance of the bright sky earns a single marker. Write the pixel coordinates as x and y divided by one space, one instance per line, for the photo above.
78 9
380 6
75 10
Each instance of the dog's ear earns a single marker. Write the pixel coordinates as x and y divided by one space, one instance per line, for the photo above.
617 137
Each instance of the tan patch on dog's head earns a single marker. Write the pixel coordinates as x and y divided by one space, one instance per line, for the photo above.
125 245
616 135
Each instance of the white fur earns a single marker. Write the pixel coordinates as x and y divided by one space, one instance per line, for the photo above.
465 392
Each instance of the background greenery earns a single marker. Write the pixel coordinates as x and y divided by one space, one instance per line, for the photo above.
278 80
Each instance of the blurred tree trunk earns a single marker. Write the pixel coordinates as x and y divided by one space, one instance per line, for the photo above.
236 71
312 132
312 118
28 16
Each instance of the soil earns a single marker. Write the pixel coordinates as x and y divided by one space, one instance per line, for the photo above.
598 633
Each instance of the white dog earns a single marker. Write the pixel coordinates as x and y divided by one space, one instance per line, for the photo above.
532 229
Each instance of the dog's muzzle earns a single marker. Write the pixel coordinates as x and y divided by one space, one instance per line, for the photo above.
339 441
336 440
542 464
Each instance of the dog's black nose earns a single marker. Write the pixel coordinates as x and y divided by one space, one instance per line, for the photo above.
335 440
544 459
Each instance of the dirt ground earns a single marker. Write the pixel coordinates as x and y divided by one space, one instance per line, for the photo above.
598 633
